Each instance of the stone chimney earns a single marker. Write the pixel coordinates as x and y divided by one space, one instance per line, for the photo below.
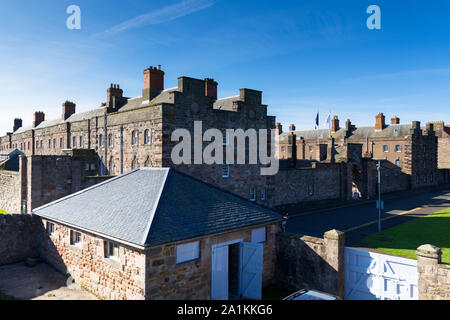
292 149
395 120
39 117
68 109
211 88
292 127
114 97
279 128
335 124
153 82
380 122
17 124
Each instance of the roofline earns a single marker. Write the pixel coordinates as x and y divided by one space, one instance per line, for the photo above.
162 244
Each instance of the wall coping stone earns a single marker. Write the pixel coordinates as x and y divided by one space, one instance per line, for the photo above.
429 251
334 235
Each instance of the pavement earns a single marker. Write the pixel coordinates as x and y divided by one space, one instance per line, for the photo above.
360 221
40 282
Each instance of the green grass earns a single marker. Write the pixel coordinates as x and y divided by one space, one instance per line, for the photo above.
403 240
3 212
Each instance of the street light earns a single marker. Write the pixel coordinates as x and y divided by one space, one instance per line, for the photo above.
379 205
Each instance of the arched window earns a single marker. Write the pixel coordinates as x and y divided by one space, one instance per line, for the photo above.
147 162
147 137
134 164
134 138
100 140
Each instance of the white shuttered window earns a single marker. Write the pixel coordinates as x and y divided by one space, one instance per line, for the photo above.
187 252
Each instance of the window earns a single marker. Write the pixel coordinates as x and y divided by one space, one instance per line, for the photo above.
188 252
225 171
75 238
283 149
311 190
397 163
431 178
111 166
54 144
147 137
49 143
310 149
425 179
50 227
134 138
61 142
111 140
398 148
111 250
385 148
74 142
263 194
100 140
252 194
134 164
259 235
424 164
417 179
81 142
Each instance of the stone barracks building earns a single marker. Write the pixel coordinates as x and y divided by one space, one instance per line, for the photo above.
161 234
410 152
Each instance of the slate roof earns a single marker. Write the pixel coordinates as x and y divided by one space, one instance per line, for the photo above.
392 130
153 206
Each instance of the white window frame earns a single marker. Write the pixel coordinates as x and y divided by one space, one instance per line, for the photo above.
310 149
398 163
50 227
385 148
75 240
147 137
188 252
110 249
111 140
134 138
399 149
259 235
283 149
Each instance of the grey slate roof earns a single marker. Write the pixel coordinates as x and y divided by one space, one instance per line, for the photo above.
392 130
152 206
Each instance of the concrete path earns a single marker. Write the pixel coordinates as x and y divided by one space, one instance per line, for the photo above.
38 283
361 221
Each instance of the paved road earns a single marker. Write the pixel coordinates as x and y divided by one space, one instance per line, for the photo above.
360 221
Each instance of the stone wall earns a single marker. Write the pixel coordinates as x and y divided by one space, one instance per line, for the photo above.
107 278
312 263
18 238
192 280
434 277
10 191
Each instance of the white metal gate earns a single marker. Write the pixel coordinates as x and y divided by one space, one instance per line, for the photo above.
374 276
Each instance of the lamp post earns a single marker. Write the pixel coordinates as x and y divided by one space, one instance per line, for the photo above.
379 193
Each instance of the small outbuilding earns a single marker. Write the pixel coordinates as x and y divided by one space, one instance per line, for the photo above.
156 233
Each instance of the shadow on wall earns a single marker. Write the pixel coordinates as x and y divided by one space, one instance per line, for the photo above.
305 262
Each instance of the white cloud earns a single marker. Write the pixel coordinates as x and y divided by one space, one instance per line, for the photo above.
159 16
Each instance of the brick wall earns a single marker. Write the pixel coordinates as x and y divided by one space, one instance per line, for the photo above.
312 263
107 278
18 238
192 280
434 277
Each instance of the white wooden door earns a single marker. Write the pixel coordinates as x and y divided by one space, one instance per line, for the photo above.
219 276
250 270
374 276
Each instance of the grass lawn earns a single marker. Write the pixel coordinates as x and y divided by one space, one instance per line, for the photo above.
3 212
403 240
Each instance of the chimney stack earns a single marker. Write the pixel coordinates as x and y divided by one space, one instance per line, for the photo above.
153 83
380 121
348 124
335 124
292 127
68 109
211 88
114 97
395 120
39 117
279 128
17 124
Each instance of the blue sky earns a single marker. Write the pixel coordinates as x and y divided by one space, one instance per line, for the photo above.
304 55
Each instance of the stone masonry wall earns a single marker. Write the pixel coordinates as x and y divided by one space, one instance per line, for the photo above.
107 278
10 191
434 277
313 263
192 280
18 235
